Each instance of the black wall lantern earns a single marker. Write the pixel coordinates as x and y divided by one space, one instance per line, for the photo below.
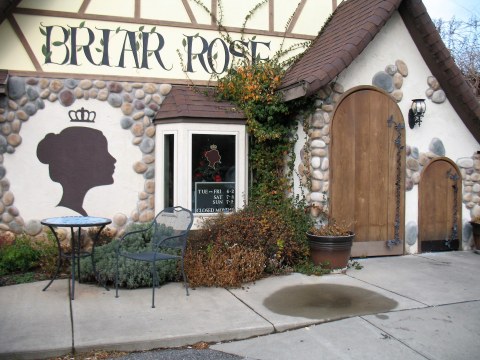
416 112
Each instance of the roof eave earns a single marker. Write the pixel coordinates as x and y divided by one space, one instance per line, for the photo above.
293 92
197 119
344 56
304 88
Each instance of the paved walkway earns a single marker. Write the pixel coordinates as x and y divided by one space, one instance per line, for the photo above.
409 307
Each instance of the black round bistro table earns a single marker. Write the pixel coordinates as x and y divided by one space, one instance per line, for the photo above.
74 222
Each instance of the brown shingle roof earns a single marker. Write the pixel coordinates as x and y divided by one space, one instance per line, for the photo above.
351 28
348 32
196 104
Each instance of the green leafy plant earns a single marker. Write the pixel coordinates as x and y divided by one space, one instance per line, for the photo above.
353 264
27 259
251 84
271 123
19 256
309 268
132 274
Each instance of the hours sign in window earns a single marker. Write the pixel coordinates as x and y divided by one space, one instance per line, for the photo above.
213 173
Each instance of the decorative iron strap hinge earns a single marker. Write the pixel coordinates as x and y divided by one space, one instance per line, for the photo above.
398 180
454 233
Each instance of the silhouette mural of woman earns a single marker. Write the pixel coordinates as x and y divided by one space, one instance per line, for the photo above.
79 160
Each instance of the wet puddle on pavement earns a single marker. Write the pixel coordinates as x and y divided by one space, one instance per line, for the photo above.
327 301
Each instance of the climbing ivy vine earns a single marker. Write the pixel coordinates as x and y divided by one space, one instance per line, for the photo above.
251 84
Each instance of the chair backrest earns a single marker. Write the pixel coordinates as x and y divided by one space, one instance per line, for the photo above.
172 221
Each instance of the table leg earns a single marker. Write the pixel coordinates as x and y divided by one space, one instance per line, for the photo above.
75 255
59 260
79 252
92 255
73 245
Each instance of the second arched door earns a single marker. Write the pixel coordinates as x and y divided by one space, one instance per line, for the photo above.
440 206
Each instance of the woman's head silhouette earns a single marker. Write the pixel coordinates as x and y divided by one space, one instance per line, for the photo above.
79 160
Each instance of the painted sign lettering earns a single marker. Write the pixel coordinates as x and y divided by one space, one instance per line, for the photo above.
142 49
214 197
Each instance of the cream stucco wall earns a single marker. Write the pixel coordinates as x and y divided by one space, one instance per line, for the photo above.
58 5
440 120
124 8
16 57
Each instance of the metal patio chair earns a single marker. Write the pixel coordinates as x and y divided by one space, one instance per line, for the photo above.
169 232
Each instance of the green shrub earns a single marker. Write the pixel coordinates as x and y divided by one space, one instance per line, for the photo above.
307 267
26 253
20 256
132 274
23 278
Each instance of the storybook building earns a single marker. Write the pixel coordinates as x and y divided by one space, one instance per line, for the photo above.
98 115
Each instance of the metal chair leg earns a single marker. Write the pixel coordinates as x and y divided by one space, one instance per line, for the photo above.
184 278
116 276
154 284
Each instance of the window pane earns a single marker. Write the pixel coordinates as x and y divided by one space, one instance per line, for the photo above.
168 170
213 173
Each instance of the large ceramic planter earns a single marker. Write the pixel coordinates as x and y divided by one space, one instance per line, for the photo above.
476 234
332 251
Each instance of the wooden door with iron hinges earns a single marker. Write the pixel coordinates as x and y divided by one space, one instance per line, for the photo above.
440 206
367 172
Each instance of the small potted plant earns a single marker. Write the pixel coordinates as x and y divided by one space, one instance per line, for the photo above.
475 222
330 241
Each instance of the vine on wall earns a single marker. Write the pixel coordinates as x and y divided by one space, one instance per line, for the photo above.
251 84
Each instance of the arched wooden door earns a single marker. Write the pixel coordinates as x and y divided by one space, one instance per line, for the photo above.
440 206
367 187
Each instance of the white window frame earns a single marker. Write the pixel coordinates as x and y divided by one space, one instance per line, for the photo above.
160 166
182 179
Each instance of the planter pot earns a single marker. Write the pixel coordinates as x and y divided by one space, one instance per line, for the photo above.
476 234
334 250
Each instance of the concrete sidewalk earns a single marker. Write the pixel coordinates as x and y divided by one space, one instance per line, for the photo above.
408 307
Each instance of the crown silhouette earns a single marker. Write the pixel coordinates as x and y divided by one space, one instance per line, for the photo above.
82 115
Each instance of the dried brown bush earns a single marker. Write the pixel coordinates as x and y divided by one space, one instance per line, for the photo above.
240 247
224 266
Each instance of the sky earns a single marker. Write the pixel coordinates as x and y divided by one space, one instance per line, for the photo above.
445 9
